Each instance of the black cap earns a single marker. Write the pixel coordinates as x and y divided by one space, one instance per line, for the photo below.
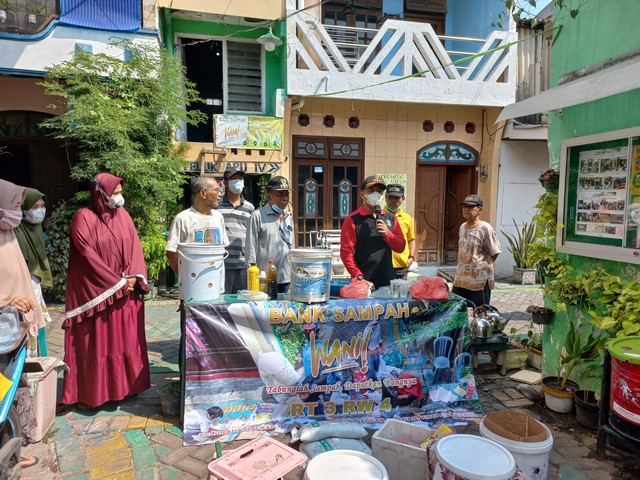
373 180
278 183
230 172
395 189
473 201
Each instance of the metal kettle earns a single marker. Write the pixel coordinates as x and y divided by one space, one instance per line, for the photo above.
486 322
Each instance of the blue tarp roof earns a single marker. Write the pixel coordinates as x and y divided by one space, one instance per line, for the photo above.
120 15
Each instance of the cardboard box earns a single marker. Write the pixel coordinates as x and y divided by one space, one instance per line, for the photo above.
402 461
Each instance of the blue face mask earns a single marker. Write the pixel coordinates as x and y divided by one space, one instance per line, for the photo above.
276 208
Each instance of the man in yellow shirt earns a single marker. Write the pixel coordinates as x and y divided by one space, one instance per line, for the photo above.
394 200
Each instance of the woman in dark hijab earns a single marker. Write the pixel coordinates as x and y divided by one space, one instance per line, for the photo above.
105 344
31 240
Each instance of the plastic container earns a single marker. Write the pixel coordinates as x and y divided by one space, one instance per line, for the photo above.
402 461
624 415
260 459
272 280
253 278
472 458
201 272
532 457
263 281
310 274
347 464
41 371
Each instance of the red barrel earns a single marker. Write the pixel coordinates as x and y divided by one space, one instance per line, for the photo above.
625 385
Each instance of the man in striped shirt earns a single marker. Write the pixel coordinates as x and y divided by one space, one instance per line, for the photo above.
236 212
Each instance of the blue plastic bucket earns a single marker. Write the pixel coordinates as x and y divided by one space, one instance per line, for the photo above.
310 274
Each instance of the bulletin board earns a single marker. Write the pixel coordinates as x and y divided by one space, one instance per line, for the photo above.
600 195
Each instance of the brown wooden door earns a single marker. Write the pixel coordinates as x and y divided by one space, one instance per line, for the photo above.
430 201
326 175
446 173
460 183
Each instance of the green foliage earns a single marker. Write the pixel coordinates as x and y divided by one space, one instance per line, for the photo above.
7 5
528 335
520 244
58 247
119 114
619 300
153 248
520 11
576 351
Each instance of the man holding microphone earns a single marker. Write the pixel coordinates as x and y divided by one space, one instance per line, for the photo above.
368 237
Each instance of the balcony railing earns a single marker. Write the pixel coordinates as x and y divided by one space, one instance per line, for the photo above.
343 56
27 16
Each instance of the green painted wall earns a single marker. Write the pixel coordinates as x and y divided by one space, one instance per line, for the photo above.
602 30
275 62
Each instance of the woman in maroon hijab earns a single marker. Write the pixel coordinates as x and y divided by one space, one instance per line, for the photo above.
104 345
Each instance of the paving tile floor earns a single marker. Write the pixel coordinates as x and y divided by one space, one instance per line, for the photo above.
133 440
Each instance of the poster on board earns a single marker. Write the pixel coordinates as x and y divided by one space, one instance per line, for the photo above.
269 366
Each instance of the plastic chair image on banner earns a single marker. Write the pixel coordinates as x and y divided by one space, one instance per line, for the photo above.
461 365
441 364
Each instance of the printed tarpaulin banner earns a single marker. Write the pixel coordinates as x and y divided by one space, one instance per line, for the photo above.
266 366
242 131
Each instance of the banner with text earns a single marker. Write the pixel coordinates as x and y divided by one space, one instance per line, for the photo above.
263 366
248 132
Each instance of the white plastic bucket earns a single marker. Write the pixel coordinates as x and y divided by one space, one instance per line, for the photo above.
201 271
472 458
345 464
531 457
310 274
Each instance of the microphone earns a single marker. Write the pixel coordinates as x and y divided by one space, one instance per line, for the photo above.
377 210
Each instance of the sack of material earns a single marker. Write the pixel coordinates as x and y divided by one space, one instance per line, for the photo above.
313 449
312 432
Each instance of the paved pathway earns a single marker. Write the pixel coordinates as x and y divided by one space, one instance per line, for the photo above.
133 440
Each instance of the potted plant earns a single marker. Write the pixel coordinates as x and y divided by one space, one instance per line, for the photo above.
524 271
558 389
540 315
587 408
550 179
532 341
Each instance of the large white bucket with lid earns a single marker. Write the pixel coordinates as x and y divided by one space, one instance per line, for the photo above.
531 457
310 274
472 458
348 464
201 271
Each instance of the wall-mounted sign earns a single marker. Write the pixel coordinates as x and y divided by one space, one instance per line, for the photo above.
600 197
242 131
257 168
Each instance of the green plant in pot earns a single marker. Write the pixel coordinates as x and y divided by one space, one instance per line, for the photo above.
588 401
524 270
529 337
559 389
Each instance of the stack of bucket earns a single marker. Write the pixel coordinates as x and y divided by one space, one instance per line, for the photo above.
528 440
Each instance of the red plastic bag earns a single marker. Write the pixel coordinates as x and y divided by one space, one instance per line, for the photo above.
430 288
356 289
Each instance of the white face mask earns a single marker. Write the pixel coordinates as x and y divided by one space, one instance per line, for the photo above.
374 198
116 201
236 186
34 216
10 219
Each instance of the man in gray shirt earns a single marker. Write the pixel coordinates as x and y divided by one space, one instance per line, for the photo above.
270 233
236 211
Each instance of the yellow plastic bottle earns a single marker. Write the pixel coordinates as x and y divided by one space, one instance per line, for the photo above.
253 278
